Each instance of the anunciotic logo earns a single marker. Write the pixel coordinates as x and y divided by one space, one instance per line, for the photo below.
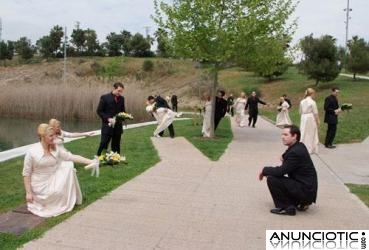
316 239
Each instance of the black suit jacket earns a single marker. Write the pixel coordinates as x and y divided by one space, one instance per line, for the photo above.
252 104
161 102
330 105
298 165
220 107
108 108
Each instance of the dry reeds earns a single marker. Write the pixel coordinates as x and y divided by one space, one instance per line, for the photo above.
64 101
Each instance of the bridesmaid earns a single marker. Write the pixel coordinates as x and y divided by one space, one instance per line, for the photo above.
51 188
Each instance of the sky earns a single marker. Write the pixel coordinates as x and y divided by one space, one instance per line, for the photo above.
35 18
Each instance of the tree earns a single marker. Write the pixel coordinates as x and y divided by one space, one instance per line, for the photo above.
44 45
140 46
79 40
220 32
269 58
92 44
126 42
24 48
114 44
321 59
56 35
358 56
162 40
6 51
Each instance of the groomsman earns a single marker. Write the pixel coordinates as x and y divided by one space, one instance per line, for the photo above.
220 108
252 106
332 110
109 106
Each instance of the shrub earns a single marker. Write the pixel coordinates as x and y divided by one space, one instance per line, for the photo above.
147 65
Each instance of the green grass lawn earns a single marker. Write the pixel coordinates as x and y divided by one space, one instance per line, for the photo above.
362 191
140 154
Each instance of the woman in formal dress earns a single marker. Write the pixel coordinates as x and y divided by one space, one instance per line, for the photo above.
239 106
309 121
51 188
164 116
283 117
206 124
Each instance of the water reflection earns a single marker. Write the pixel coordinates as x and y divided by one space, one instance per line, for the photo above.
19 132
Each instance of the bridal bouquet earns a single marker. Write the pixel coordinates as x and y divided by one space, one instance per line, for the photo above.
110 158
346 106
122 116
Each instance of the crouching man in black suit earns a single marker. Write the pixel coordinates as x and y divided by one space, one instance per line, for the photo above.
294 184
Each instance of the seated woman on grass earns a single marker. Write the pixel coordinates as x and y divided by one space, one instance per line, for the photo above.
51 188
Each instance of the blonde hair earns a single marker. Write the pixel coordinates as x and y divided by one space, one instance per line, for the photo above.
309 92
43 129
55 123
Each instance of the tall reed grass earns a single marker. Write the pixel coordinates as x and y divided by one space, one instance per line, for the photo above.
71 101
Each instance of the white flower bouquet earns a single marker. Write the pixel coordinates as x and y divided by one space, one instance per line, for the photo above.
122 116
346 106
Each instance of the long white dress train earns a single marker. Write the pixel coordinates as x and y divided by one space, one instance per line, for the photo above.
54 185
206 124
283 117
308 125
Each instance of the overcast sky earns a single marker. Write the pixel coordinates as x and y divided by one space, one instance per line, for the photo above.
35 18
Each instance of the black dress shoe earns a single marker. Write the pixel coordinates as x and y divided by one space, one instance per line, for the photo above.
284 211
303 207
330 146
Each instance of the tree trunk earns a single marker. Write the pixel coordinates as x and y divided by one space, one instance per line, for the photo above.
213 94
316 82
354 76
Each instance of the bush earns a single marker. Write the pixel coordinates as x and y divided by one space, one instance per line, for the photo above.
147 65
248 91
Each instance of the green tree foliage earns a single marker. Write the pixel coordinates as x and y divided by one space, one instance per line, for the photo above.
269 59
44 46
56 35
162 40
321 58
140 46
79 40
24 48
92 44
358 56
114 44
221 32
126 37
6 51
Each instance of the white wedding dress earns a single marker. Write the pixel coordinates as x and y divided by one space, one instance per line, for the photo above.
240 117
163 116
206 124
283 117
308 126
54 185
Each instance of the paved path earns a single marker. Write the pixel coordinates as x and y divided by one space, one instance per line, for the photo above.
359 77
188 202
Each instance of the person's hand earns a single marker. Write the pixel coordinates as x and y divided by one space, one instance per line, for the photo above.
260 176
29 197
337 111
110 120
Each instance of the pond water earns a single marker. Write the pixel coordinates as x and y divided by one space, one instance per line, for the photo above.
19 132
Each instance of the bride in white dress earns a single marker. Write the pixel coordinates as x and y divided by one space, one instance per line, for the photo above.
206 124
239 106
164 117
283 117
51 188
309 122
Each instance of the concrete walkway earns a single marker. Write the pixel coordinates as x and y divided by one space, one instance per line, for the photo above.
189 202
358 77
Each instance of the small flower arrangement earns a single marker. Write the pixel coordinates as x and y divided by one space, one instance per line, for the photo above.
110 158
122 116
346 106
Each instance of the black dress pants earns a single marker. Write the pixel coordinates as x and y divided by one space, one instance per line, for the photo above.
115 142
171 131
216 121
331 133
253 117
286 192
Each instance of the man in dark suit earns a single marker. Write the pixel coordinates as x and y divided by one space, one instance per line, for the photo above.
174 102
220 108
332 110
299 188
162 103
109 106
252 106
230 102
